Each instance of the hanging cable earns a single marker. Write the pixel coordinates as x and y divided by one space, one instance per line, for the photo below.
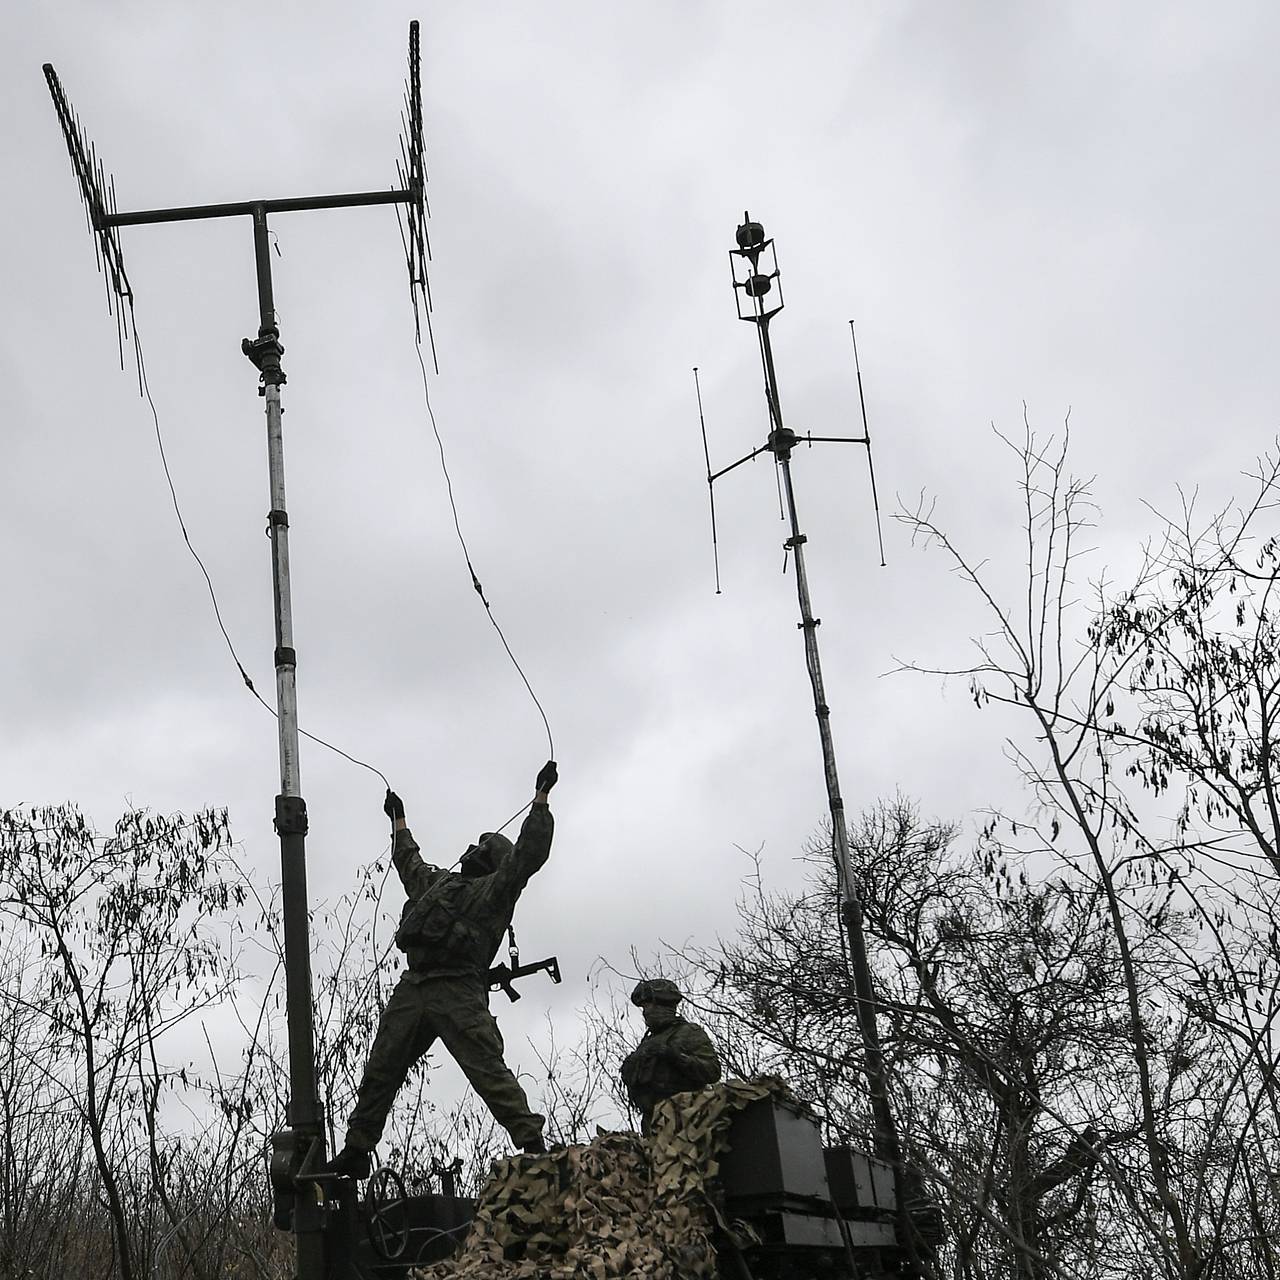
466 555
145 387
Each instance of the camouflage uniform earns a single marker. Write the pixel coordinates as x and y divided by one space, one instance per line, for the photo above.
675 1056
450 931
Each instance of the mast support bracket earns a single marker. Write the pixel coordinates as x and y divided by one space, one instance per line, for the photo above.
264 354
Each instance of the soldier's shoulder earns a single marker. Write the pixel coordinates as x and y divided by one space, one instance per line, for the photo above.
692 1030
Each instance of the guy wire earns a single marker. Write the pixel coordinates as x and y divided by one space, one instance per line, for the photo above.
466 555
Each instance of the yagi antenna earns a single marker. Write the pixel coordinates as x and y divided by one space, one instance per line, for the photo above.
757 287
301 1202
412 171
98 191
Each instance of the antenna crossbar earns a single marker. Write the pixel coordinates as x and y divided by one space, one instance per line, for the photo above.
724 471
295 204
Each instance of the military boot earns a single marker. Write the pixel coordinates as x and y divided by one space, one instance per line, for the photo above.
350 1162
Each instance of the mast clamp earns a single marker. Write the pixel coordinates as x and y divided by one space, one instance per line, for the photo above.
286 656
808 624
796 540
291 816
264 354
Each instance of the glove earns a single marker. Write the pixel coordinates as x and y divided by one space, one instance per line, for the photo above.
393 806
547 777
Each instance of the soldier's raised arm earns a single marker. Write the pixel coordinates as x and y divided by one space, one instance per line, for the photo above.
533 845
415 874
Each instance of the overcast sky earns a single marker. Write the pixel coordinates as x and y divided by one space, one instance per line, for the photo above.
1068 205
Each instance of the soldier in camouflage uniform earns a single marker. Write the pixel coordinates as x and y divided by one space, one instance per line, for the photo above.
675 1056
450 929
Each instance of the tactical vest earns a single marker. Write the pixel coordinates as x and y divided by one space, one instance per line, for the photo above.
437 923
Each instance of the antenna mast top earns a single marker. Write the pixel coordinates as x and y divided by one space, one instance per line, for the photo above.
97 190
757 293
756 280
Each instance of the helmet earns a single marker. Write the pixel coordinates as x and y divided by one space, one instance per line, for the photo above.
486 855
656 991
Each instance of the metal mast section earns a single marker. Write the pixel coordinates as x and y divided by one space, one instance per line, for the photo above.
758 292
302 1198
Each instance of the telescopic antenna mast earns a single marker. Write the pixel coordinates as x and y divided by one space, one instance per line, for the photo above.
757 286
302 1195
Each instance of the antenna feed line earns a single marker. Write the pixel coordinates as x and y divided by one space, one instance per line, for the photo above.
264 354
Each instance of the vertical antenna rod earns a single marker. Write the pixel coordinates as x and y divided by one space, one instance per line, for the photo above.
866 431
759 297
711 489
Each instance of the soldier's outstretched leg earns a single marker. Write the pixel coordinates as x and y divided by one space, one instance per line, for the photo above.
460 1015
405 1033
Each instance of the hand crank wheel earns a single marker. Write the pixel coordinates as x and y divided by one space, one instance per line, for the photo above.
387 1214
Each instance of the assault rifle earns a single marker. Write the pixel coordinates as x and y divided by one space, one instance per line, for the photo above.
501 976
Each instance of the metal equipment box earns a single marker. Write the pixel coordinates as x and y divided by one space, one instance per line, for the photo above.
774 1160
859 1182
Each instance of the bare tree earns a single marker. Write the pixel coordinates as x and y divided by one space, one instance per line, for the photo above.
123 928
1166 688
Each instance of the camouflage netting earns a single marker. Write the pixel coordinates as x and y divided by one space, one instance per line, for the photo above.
619 1206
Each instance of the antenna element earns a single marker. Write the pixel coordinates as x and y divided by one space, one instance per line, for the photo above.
866 432
411 169
711 492
98 191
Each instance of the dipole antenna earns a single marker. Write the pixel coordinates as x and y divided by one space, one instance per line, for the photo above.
711 492
866 434
303 1196
757 286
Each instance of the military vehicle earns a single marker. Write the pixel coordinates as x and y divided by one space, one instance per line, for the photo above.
808 1211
